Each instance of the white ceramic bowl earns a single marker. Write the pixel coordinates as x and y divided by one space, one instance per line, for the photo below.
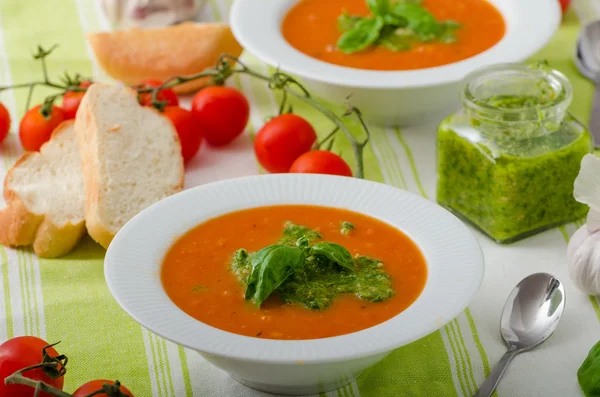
454 260
391 97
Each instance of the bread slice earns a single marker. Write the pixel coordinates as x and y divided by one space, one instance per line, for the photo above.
45 197
134 55
131 158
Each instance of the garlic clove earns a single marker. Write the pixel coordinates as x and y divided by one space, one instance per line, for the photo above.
593 221
584 260
587 183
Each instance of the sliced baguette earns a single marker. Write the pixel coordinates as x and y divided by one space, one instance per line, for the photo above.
45 197
131 158
134 55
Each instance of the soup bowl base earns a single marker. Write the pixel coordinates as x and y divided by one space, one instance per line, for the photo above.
392 108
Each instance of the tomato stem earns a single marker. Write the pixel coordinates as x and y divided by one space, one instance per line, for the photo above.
19 379
225 67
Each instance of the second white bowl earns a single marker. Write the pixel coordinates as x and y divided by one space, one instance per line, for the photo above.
391 98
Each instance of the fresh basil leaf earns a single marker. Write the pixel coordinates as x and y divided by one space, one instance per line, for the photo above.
588 374
348 22
270 267
419 20
379 7
396 39
394 21
335 253
361 36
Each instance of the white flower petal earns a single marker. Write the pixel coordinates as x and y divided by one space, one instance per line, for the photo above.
587 183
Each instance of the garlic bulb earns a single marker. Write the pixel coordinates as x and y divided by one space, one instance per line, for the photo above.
124 14
583 253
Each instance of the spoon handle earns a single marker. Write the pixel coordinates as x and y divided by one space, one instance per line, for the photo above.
595 117
489 385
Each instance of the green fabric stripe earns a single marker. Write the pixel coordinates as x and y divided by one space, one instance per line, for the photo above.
187 381
74 289
458 360
595 306
411 160
351 389
156 341
34 291
420 369
470 374
6 287
482 353
156 363
169 378
388 157
26 313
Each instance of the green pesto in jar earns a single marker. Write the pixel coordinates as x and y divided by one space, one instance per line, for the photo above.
507 161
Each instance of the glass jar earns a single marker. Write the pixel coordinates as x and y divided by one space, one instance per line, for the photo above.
508 159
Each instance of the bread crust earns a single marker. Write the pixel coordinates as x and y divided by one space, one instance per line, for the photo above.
86 130
21 227
135 54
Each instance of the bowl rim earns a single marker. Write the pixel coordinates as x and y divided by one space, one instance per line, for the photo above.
256 26
137 288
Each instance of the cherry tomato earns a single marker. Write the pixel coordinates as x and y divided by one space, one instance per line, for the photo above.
282 140
21 352
166 94
188 130
72 99
321 162
94 385
222 113
35 129
4 122
564 5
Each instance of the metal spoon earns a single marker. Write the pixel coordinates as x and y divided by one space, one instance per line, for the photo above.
531 314
587 60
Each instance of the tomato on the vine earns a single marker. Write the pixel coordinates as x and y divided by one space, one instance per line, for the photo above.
564 5
190 134
4 122
222 113
321 162
94 385
282 140
22 352
166 94
35 129
72 99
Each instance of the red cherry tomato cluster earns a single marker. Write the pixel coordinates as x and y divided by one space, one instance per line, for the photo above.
218 115
26 351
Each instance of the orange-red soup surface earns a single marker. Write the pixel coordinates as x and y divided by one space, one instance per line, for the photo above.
311 27
202 258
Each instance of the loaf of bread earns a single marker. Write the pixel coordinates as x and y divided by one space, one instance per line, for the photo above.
131 158
44 197
135 54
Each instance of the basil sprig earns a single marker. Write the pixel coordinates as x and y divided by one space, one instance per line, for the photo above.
394 25
272 265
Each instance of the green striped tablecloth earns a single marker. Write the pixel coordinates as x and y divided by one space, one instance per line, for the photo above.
67 299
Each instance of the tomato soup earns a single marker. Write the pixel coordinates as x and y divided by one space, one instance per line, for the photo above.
311 27
197 276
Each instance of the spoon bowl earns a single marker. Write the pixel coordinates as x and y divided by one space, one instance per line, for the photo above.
530 316
532 311
587 60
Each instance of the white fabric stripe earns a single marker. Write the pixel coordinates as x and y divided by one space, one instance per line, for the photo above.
38 294
150 356
87 10
16 299
402 159
452 360
176 370
476 360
